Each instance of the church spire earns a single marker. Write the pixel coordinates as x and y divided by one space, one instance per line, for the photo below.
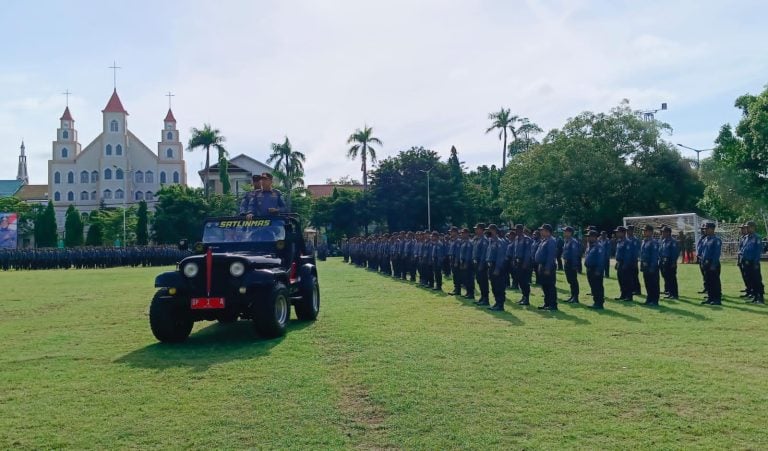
22 174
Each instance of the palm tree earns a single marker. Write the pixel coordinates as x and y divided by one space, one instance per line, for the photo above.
289 165
362 140
523 136
206 138
502 120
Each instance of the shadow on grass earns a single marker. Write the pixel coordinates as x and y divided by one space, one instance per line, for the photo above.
559 314
666 308
504 316
217 343
607 312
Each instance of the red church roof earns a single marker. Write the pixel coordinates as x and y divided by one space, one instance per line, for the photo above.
114 105
67 116
169 117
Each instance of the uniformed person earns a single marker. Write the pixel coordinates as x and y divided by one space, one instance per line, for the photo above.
710 264
594 259
546 256
454 250
751 262
479 247
571 260
649 265
624 254
495 257
740 263
467 265
521 263
635 271
669 251
699 252
266 201
438 255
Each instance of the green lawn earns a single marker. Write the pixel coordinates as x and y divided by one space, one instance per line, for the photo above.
387 365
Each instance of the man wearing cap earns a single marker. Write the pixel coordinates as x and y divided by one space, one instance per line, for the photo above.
623 266
649 265
466 265
454 257
594 261
495 257
479 248
438 255
668 253
710 264
571 256
607 251
740 262
751 262
246 208
535 242
521 263
699 252
546 256
267 200
635 270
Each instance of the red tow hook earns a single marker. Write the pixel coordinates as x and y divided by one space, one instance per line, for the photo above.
292 274
208 270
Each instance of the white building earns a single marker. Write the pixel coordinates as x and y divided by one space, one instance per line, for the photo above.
116 167
240 170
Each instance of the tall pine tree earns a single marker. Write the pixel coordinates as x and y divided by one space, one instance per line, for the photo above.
46 234
73 228
142 234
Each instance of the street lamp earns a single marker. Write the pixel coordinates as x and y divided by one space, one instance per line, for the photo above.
429 207
698 151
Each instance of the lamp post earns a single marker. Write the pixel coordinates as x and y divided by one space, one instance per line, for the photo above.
698 151
429 207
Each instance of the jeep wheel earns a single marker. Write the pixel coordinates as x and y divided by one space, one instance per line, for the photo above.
309 305
271 315
169 323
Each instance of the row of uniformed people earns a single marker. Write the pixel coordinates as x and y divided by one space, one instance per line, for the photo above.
89 257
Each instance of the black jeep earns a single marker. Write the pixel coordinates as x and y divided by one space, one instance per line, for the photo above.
244 268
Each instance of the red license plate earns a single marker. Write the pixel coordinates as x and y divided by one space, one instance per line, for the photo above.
207 303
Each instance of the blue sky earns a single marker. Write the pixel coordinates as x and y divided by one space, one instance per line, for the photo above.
421 72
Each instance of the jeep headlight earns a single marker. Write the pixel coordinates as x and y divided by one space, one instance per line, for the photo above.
190 269
237 269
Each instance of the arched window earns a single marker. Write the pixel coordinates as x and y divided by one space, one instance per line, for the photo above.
169 153
94 176
139 195
169 136
163 177
65 134
118 150
84 195
84 177
109 149
64 153
119 194
107 194
57 196
149 177
139 178
149 195
119 174
70 196
107 174
113 126
70 177
175 177
56 177
93 195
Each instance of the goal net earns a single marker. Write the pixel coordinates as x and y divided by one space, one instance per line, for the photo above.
686 227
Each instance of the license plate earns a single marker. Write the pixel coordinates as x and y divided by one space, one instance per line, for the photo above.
207 303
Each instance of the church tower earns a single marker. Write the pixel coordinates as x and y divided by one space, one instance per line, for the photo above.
169 148
115 116
66 147
21 174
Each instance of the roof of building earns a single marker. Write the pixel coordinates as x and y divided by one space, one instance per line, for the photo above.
243 162
232 168
327 190
67 116
33 192
169 117
9 187
114 105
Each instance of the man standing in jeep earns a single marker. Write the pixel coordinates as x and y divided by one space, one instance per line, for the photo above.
264 201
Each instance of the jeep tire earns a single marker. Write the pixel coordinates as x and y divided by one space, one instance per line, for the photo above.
169 323
309 306
271 314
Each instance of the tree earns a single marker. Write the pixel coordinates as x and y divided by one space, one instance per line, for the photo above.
736 174
457 180
289 166
142 235
481 188
181 210
524 136
27 213
95 235
501 121
344 213
206 138
362 141
46 230
73 228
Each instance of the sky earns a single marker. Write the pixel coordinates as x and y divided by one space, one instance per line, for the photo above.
420 72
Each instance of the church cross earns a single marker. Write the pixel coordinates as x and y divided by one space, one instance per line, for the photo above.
67 94
169 95
114 68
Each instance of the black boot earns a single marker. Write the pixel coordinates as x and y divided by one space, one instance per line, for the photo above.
497 307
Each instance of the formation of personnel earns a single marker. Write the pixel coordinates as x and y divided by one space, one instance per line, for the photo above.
263 200
493 261
89 257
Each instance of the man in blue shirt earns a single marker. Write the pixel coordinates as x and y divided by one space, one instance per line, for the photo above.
607 251
710 265
594 261
668 253
438 255
466 265
649 265
635 272
699 252
750 260
495 257
479 247
546 256
623 266
248 197
521 263
571 257
266 201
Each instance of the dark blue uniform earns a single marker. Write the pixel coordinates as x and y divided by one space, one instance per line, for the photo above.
649 266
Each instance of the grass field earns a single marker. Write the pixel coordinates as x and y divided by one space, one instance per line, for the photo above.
387 365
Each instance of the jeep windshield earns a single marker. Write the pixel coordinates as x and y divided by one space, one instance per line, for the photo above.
237 230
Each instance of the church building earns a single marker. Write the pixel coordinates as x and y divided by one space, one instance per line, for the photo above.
116 168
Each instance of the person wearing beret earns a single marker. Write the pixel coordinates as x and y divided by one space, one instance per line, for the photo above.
594 260
710 265
546 260
649 265
571 257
